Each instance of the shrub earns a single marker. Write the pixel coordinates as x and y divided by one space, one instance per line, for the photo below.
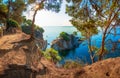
26 29
52 54
37 28
64 35
72 64
12 23
75 33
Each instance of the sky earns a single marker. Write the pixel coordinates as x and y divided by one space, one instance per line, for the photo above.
48 18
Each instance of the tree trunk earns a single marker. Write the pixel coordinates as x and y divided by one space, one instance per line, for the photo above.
105 32
8 13
32 26
90 50
103 44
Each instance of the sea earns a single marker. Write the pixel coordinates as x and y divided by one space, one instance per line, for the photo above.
81 53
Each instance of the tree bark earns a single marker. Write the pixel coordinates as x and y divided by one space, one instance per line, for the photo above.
8 13
104 34
90 50
32 26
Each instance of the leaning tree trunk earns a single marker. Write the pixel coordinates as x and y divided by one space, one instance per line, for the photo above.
90 51
104 34
32 26
33 21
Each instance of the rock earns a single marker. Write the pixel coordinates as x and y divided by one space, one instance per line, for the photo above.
16 52
18 71
60 44
38 35
13 63
109 68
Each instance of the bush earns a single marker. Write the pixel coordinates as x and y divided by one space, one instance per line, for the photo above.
72 64
75 33
37 28
26 27
12 23
64 35
52 54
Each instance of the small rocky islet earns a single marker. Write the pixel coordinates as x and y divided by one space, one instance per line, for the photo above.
68 42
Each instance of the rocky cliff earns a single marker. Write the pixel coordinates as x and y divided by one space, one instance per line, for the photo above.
60 44
16 52
19 56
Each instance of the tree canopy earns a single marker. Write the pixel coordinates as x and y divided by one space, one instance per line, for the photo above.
105 13
13 9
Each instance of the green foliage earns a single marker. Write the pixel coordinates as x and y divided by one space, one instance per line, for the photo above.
3 8
17 8
53 5
26 26
12 23
3 12
106 14
38 28
99 10
94 48
87 28
52 54
98 51
14 9
26 29
72 64
26 22
75 33
64 53
64 35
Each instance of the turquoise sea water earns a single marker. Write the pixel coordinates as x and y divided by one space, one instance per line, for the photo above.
52 32
80 53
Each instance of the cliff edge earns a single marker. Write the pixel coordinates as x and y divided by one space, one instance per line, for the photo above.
15 53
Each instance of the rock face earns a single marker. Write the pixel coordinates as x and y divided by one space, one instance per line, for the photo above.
60 44
19 57
38 35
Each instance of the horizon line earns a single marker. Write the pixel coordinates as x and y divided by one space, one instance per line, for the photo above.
56 25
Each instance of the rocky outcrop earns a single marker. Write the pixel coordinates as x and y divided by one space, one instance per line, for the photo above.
38 35
18 71
27 30
19 57
60 44
109 68
13 63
